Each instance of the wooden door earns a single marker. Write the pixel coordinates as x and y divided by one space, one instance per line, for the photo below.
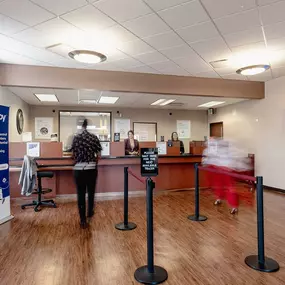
217 130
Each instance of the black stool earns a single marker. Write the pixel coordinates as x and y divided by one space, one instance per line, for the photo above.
41 191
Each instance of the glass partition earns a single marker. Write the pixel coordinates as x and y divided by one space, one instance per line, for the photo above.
70 123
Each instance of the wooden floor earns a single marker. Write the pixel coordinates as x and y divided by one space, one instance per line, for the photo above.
49 248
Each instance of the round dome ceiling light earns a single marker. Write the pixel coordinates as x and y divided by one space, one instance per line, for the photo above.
87 56
253 69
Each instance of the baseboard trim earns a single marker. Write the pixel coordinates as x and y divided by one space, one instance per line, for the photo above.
279 190
7 219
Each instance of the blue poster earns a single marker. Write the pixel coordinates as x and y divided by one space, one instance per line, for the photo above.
4 152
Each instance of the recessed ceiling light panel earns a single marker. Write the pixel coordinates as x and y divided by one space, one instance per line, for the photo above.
108 100
162 102
211 104
167 102
47 97
253 69
87 56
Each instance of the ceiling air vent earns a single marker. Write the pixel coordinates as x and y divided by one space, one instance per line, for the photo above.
176 104
219 63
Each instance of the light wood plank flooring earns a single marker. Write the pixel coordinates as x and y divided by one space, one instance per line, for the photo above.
49 248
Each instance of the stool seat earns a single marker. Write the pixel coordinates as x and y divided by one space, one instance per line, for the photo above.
45 174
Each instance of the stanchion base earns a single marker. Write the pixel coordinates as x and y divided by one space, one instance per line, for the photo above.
197 219
270 264
143 276
127 227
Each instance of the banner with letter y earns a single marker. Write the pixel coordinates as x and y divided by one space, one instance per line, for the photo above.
5 211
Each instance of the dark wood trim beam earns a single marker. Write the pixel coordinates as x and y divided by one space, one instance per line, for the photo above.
70 78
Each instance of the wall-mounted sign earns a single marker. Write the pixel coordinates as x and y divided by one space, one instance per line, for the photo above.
122 126
43 128
184 129
162 149
105 148
149 162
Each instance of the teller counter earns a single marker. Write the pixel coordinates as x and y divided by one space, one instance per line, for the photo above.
175 172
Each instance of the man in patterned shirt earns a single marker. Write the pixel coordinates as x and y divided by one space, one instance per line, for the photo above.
86 149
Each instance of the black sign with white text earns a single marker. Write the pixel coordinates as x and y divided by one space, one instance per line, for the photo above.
149 162
116 137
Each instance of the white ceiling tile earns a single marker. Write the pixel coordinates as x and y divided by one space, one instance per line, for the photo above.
89 19
187 14
34 37
143 69
118 34
163 41
220 8
265 76
175 70
135 47
110 66
234 76
178 52
278 72
146 25
25 11
238 22
151 57
198 32
273 13
211 50
13 58
226 70
266 2
123 10
60 7
193 64
59 29
165 65
276 44
275 31
163 4
9 26
127 63
207 74
245 37
277 59
115 54
249 48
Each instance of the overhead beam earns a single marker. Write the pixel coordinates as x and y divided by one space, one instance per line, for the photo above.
70 78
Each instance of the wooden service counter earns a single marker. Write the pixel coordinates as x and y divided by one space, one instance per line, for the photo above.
175 171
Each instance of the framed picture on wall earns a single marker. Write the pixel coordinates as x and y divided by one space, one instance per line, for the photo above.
43 128
145 131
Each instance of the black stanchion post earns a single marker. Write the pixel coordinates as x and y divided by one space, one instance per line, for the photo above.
197 217
260 262
150 274
126 226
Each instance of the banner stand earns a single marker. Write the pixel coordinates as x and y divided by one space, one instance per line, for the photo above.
5 209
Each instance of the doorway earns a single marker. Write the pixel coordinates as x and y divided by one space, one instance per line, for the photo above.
217 130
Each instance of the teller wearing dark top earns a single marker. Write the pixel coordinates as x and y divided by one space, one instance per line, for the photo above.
174 138
131 144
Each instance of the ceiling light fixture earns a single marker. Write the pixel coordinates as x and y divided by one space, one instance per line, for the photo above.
167 102
162 102
108 100
87 56
47 97
253 69
88 101
211 104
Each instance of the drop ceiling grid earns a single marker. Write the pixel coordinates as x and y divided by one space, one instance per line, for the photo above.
157 25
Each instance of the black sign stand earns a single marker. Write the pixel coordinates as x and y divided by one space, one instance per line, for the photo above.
150 273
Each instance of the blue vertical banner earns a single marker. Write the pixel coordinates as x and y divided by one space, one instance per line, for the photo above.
4 153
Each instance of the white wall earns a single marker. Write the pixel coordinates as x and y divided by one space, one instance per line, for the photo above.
7 98
259 127
166 124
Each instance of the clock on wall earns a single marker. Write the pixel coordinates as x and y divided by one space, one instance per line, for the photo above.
20 121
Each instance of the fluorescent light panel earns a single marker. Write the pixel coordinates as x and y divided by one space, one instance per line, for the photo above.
162 102
108 100
211 104
88 101
47 97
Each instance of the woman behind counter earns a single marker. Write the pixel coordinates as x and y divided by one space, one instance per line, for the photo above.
131 145
174 138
